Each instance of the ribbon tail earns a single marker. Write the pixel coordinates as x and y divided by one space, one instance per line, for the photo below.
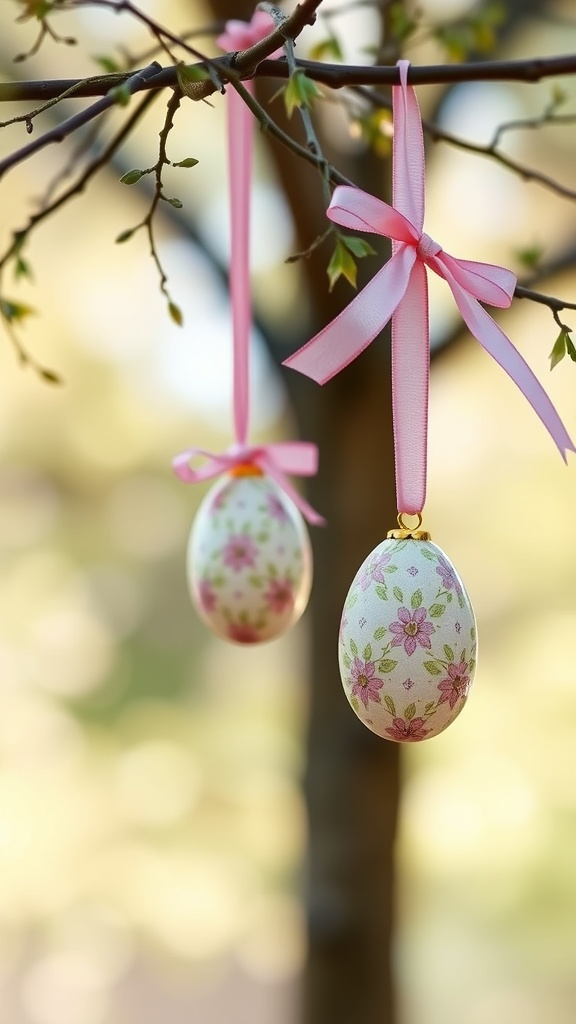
410 387
300 458
498 344
357 325
274 471
240 172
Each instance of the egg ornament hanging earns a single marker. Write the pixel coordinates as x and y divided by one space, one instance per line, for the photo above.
249 559
407 642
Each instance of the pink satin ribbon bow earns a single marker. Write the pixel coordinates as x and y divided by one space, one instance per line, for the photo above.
299 458
400 291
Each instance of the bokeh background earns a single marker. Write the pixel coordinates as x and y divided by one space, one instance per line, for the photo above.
152 826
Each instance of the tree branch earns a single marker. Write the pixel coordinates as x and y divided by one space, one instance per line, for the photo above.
61 131
253 63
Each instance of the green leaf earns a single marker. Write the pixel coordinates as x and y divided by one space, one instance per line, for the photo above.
398 594
327 49
410 712
571 351
381 591
530 256
50 376
125 235
120 94
341 265
375 128
428 707
188 75
380 632
448 652
354 703
300 91
401 24
190 161
416 599
559 96
433 668
436 610
387 665
559 350
427 553
14 312
390 704
176 203
131 177
108 64
391 568
22 268
358 246
175 313
367 653
346 660
354 648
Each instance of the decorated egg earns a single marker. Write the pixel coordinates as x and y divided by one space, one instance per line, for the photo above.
249 560
407 643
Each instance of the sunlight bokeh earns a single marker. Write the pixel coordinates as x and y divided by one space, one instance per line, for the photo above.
152 828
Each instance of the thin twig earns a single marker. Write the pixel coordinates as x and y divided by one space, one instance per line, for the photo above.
490 150
61 131
80 184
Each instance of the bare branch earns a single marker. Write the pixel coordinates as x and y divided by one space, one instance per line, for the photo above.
253 63
61 131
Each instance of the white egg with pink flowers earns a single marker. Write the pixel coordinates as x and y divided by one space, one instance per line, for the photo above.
407 642
249 561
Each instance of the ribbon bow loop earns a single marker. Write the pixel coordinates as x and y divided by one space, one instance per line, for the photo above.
297 458
399 292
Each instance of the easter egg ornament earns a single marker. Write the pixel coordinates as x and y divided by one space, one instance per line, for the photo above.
249 561
407 643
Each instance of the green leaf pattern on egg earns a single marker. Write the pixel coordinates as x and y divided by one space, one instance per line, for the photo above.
407 654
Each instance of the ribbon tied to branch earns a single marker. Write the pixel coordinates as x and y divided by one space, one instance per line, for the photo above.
276 460
399 291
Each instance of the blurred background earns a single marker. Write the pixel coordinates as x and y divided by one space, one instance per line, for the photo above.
196 832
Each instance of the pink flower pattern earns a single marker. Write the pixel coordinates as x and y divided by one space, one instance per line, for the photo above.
280 595
411 630
207 595
456 684
249 560
408 731
243 633
276 509
366 684
407 651
449 578
240 552
373 572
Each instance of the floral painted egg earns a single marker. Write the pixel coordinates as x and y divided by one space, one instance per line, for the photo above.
249 559
407 644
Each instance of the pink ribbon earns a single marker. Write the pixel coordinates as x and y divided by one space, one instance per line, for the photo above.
299 458
399 291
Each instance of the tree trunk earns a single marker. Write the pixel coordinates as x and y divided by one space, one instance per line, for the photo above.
352 776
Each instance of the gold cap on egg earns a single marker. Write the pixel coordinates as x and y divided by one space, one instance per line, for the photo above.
407 533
